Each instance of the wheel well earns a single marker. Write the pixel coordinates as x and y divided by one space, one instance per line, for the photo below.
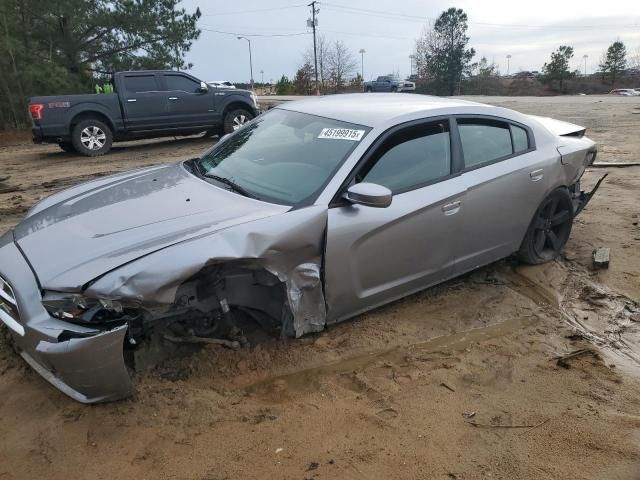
91 116
234 105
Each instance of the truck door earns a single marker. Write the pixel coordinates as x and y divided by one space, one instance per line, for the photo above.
189 105
144 104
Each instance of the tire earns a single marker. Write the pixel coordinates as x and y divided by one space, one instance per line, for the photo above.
67 147
235 118
549 230
369 90
394 89
91 138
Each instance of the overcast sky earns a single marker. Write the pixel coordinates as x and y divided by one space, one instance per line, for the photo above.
529 31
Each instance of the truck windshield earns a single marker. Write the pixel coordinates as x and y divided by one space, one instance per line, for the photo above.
282 156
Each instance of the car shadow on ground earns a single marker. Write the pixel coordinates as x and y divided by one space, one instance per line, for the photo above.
135 146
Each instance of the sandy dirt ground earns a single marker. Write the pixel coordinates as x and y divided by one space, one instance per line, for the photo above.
460 381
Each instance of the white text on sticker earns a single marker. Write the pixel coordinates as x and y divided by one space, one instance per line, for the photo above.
341 134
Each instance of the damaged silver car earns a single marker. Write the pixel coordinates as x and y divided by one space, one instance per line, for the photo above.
312 213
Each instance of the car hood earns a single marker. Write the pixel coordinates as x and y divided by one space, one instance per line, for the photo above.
101 225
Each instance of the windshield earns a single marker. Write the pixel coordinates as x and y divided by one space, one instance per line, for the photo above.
282 156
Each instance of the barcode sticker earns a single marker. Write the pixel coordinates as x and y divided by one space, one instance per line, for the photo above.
341 134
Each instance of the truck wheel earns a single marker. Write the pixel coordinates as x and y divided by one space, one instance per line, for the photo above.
549 230
394 89
91 138
234 119
369 90
67 147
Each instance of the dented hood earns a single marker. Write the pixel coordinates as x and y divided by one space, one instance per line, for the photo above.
96 228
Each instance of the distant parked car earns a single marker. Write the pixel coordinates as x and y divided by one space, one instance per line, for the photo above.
221 84
388 83
625 92
145 104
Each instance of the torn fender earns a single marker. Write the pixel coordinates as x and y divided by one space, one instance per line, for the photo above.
291 246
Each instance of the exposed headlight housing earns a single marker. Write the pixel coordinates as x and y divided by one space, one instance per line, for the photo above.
77 308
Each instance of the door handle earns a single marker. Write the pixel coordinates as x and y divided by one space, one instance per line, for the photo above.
131 100
536 175
451 208
173 98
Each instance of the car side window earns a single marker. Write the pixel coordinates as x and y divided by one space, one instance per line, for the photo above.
140 83
182 83
411 158
520 139
484 141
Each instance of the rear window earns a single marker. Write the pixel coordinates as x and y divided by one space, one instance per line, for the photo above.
484 142
520 139
140 83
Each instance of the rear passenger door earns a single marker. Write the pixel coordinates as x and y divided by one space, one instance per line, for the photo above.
505 180
188 105
143 102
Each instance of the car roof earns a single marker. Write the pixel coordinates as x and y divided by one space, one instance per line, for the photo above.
373 109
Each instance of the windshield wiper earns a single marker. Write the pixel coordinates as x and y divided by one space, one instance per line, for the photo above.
231 184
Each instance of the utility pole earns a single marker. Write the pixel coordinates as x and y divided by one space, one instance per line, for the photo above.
362 52
585 64
250 60
508 61
314 23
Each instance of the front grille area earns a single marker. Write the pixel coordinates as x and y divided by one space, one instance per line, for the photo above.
9 313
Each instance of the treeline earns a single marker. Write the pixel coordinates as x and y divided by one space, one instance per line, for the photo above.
444 65
67 46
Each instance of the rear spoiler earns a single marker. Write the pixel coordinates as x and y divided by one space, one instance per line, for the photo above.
560 128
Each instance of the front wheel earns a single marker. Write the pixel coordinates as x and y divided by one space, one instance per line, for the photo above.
91 138
549 230
235 119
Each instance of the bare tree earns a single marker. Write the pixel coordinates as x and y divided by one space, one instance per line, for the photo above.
634 59
341 63
322 48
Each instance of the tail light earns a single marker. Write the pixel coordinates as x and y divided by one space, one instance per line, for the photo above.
35 109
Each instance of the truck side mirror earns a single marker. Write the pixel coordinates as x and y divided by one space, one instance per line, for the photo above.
204 87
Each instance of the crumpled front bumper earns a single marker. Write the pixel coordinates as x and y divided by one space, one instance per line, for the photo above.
84 363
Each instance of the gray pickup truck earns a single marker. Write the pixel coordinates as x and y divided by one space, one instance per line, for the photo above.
388 83
145 104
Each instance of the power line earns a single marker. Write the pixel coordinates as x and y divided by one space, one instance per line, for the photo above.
402 16
358 34
241 12
255 34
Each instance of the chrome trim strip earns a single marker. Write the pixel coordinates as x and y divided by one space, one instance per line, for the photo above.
10 322
8 298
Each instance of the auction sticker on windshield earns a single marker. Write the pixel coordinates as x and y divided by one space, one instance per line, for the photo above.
341 134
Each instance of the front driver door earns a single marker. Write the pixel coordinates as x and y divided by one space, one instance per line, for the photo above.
375 255
189 106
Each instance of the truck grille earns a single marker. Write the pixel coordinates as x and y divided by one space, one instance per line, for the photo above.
9 313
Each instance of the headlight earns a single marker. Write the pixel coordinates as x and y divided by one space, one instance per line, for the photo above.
254 99
77 308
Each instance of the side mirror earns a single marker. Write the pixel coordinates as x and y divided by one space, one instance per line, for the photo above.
369 194
204 87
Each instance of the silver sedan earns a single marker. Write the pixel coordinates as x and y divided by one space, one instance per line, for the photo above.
312 213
